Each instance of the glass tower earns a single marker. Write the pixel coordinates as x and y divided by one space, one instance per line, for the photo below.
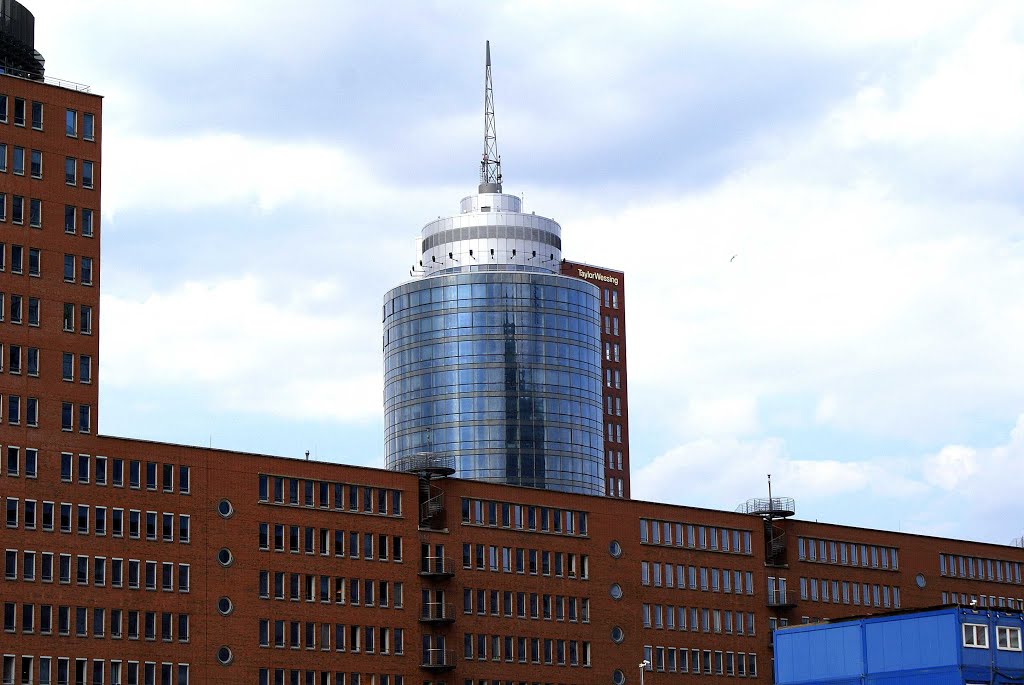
492 358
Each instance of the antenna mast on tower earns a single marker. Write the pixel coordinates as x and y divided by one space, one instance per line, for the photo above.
490 165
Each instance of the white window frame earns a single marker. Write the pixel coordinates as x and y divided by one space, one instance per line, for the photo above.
1007 632
971 633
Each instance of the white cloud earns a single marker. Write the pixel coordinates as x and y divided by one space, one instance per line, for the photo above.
228 170
981 484
249 347
724 472
709 416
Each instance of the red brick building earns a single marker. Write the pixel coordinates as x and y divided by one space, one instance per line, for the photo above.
613 342
130 562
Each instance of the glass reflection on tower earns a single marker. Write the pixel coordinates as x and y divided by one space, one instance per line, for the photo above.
492 357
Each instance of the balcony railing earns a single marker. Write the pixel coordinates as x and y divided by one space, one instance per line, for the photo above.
774 506
437 567
437 612
437 659
781 598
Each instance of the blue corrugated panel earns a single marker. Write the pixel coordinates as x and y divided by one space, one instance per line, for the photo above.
901 643
1008 662
803 656
944 676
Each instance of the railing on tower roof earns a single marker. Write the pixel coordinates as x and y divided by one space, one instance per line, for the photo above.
768 506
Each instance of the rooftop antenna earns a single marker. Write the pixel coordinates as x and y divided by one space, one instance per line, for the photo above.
490 165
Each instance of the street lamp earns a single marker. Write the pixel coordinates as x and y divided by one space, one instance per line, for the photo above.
643 667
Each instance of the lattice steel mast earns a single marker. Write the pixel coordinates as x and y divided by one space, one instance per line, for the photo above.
490 165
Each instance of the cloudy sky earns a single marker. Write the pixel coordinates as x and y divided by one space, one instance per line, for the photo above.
268 166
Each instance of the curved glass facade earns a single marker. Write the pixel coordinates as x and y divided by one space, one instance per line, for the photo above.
500 370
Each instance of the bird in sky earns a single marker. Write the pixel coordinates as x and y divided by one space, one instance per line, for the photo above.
733 257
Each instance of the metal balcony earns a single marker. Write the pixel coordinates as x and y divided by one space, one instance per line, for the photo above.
775 507
437 612
782 599
437 567
437 659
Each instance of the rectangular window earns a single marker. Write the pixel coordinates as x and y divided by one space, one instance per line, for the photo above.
87 223
1008 638
86 263
18 161
87 177
37 115
88 126
85 320
35 212
36 163
975 635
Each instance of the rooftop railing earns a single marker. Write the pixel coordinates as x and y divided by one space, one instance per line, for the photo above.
48 80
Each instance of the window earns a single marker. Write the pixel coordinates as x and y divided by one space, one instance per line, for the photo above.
33 261
1008 638
70 170
86 270
68 366
18 161
87 223
13 409
88 126
975 635
19 111
37 115
17 209
16 308
17 259
32 411
36 163
66 416
14 358
69 268
85 368
71 123
85 320
35 213
87 179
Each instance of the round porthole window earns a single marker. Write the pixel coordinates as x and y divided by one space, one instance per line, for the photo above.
617 635
225 557
615 549
616 591
618 677
224 656
920 581
225 509
224 606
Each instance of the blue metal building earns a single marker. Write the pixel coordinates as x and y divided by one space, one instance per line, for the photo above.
949 645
